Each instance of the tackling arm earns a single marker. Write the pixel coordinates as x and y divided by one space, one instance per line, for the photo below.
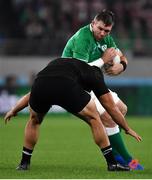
108 103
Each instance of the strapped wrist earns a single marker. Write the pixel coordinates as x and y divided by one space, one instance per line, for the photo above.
124 64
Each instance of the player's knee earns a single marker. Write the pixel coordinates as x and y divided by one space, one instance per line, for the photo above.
89 112
124 109
90 116
107 120
36 118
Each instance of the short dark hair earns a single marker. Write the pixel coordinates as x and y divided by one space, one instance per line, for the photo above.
106 16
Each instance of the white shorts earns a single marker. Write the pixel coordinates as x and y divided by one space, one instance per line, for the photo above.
100 108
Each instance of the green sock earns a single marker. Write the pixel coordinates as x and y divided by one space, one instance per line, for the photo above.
119 146
114 151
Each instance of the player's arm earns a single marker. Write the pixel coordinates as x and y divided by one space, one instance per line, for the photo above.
108 103
107 57
21 104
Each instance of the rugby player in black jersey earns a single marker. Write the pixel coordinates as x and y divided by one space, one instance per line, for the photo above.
65 83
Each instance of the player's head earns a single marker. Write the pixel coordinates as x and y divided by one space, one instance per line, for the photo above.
102 24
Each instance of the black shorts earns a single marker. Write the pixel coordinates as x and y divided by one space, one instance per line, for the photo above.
48 91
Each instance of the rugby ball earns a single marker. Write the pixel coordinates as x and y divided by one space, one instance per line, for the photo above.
116 59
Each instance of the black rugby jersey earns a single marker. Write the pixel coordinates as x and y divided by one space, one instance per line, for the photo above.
89 77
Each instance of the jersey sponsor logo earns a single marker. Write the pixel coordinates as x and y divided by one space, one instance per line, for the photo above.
104 47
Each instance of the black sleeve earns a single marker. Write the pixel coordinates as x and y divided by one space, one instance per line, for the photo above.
98 84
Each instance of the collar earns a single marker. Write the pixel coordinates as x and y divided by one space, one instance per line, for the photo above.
90 28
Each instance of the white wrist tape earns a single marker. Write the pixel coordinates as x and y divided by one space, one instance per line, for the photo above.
99 63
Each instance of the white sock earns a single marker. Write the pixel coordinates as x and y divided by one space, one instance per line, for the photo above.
113 130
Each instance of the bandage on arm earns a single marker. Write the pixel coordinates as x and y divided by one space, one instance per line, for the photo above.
99 63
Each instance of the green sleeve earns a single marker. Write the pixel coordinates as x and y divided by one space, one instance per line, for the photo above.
81 49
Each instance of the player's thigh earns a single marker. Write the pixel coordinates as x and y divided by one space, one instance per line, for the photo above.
115 96
62 91
99 106
119 103
104 116
89 112
107 119
41 95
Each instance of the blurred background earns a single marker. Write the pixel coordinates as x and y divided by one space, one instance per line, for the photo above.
33 32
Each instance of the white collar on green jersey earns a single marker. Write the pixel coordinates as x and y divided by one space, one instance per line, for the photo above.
90 28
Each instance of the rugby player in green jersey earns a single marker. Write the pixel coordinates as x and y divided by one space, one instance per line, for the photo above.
94 45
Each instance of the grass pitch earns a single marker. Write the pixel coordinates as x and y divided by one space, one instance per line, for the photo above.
66 150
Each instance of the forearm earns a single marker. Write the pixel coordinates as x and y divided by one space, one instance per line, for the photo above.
118 118
108 103
21 104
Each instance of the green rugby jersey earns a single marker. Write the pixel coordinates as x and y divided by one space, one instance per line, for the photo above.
82 45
